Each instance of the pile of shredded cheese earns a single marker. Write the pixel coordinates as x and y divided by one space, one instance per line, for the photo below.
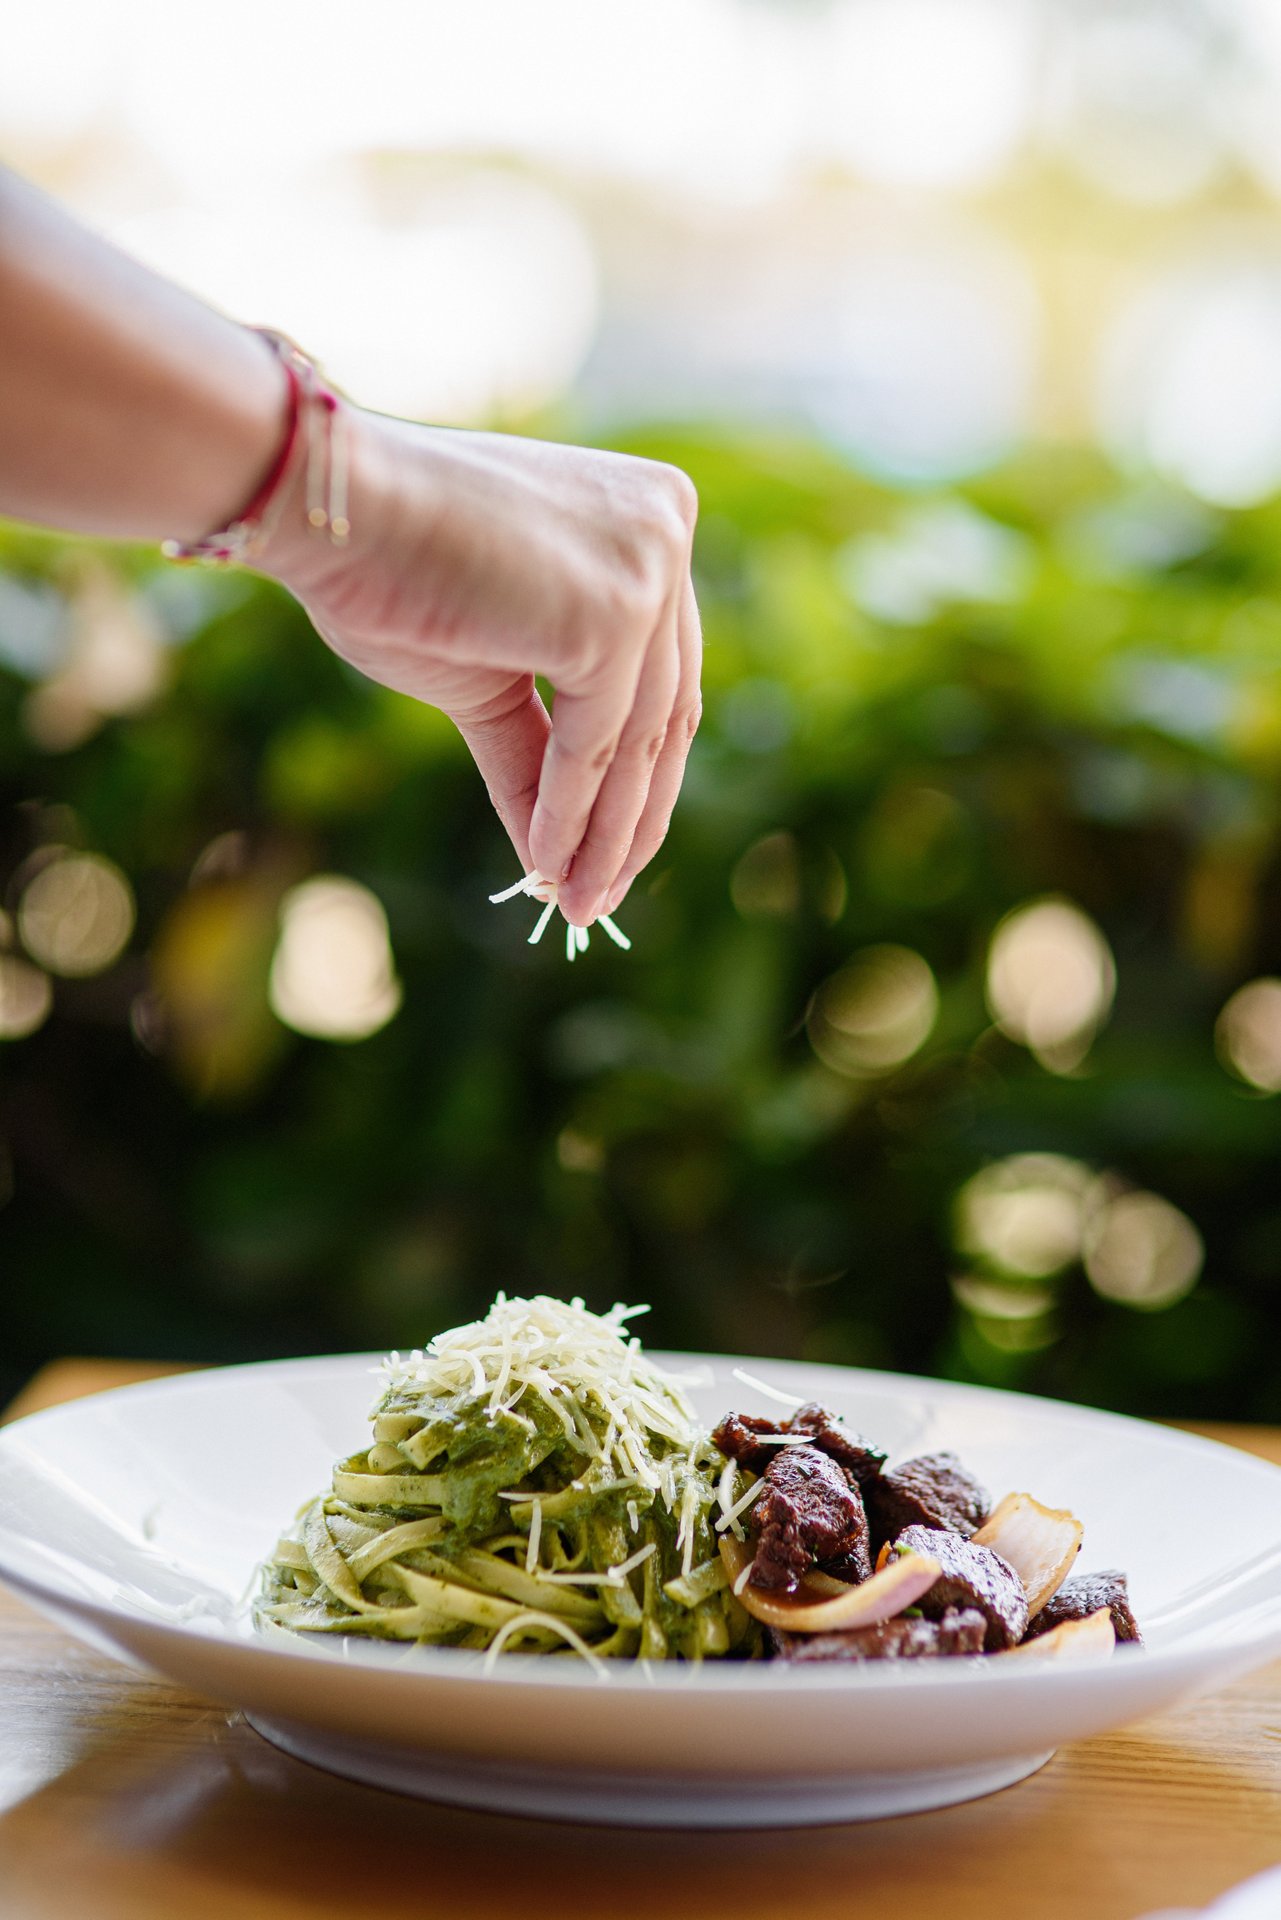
577 1361
547 892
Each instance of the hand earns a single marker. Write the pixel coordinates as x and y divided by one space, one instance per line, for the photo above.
478 560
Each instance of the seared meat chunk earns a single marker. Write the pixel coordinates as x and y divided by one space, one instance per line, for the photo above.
907 1638
736 1436
971 1577
1084 1594
809 1515
829 1433
739 1437
934 1490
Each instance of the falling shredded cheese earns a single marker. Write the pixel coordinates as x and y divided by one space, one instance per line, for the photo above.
547 892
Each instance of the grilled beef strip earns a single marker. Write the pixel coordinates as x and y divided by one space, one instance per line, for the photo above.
810 1515
849 1448
971 1576
1084 1594
739 1438
933 1490
906 1638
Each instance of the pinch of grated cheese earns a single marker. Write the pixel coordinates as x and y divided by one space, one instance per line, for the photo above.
547 892
571 1357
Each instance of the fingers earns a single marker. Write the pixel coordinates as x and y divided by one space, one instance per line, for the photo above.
624 661
507 733
669 769
586 729
621 800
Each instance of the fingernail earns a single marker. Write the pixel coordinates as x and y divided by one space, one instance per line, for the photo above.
565 870
616 896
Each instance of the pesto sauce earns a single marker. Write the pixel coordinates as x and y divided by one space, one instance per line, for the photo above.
590 1521
478 1455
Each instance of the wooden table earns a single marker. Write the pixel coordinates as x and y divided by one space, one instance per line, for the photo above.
123 1799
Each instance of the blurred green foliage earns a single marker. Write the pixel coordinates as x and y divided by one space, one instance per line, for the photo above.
920 714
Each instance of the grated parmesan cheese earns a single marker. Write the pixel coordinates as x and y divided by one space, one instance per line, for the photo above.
549 1623
688 1522
612 1576
624 1567
740 1505
547 892
761 1386
575 1360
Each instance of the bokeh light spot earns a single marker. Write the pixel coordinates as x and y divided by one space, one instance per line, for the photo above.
875 1013
76 914
1051 980
940 553
1142 1251
485 286
1189 380
766 883
26 997
1024 1215
1001 1300
932 92
1248 1033
578 1152
332 974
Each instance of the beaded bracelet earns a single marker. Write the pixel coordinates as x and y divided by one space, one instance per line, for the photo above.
316 432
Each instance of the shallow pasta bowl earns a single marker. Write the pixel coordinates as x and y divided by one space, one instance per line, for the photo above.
137 1518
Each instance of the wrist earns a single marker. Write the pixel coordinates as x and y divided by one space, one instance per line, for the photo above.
248 420
310 526
310 468
393 497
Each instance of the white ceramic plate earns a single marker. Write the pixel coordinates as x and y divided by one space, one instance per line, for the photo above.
136 1518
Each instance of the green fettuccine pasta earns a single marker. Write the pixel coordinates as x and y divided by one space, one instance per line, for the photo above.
532 1483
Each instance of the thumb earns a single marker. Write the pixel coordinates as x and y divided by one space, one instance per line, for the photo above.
507 735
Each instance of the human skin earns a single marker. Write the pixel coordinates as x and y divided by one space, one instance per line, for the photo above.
130 410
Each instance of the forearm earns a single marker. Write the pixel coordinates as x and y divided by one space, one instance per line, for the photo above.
127 408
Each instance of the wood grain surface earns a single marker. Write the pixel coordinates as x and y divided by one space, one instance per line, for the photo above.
122 1798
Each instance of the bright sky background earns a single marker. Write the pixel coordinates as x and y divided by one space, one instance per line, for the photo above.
930 228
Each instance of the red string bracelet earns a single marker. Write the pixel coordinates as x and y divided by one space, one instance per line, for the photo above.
315 432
